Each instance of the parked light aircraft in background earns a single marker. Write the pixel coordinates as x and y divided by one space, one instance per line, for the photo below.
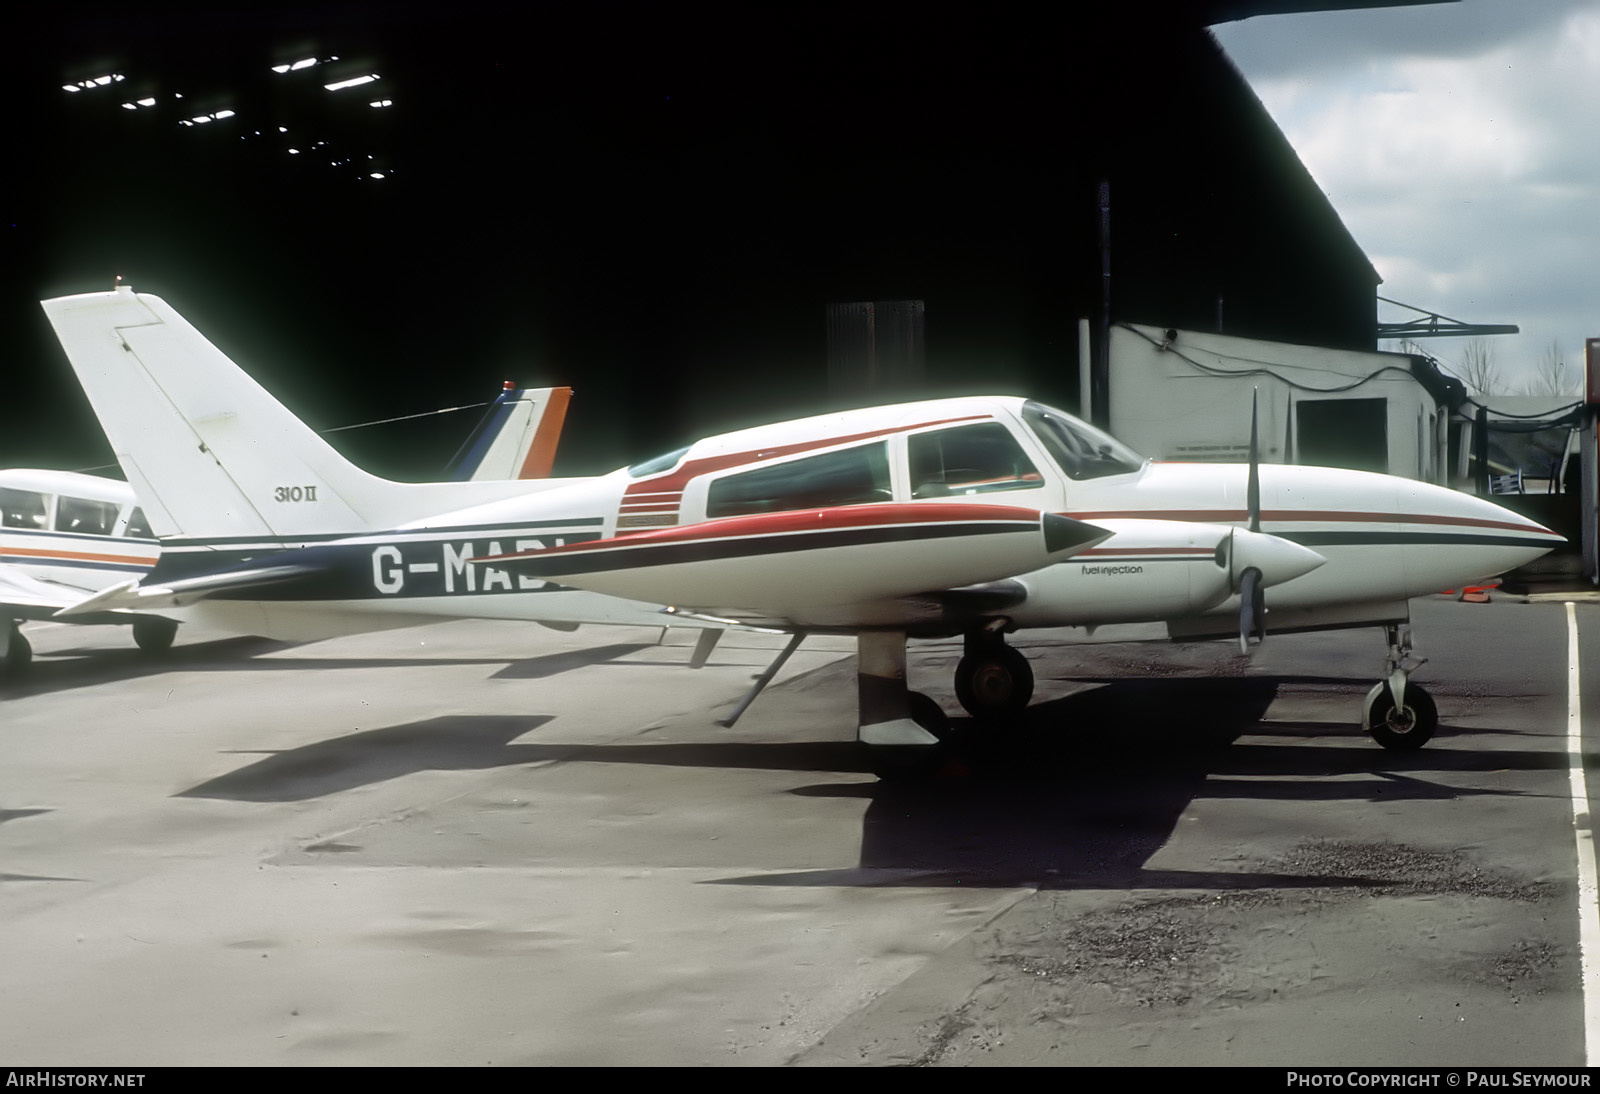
65 535
972 516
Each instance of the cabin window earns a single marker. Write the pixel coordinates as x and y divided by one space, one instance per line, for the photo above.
1082 451
852 476
138 527
22 508
85 517
970 459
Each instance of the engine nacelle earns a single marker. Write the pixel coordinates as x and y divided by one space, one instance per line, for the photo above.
1151 570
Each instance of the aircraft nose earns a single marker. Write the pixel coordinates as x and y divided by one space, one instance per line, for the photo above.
1488 539
1278 559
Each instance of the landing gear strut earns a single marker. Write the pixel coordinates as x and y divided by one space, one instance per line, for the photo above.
993 681
15 652
1400 715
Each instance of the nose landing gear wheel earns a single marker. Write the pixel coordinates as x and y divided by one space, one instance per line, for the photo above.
994 683
1406 728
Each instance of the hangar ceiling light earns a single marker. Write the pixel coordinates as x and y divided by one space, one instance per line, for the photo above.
97 81
304 62
356 81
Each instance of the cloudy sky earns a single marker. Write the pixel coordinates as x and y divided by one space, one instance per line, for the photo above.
1460 142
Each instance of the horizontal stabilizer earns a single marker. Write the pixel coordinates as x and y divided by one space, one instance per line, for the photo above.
175 594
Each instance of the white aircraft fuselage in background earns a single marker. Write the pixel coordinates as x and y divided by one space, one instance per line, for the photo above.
957 516
65 536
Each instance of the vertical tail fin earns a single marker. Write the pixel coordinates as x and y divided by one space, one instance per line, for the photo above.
208 451
516 439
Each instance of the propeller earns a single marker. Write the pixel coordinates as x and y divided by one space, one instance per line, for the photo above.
1252 600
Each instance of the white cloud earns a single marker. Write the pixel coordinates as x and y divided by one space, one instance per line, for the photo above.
1457 145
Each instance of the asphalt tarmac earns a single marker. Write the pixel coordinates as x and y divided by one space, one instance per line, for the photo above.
489 843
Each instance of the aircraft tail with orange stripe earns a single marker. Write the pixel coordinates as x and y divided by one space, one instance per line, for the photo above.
517 437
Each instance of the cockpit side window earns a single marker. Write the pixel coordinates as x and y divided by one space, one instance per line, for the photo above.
85 517
138 527
851 476
969 459
22 509
1081 450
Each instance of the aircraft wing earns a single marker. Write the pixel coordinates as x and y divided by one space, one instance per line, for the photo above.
923 568
845 568
23 596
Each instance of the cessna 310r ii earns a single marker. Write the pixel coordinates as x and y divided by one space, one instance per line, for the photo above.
971 516
65 535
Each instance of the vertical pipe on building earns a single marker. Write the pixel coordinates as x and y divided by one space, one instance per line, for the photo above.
1589 491
1101 380
1085 368
1589 460
1480 450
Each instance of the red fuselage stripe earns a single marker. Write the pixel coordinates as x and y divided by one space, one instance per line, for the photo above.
1288 515
1149 551
77 556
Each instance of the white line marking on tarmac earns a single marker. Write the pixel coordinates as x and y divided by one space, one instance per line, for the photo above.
1583 827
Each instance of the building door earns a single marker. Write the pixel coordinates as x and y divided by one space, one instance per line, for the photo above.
1350 433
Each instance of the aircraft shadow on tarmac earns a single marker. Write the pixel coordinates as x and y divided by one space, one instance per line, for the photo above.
1080 794
89 666
1090 786
454 743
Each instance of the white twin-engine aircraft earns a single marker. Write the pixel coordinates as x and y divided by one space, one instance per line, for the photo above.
970 517
65 535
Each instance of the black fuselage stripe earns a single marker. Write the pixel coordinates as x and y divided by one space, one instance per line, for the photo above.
1398 539
280 543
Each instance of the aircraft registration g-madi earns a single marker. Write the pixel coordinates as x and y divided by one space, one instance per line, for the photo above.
65 536
970 516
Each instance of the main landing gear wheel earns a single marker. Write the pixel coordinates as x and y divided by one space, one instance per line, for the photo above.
16 654
1406 728
909 763
153 634
994 682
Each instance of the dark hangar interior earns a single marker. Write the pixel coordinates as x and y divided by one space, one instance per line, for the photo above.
654 204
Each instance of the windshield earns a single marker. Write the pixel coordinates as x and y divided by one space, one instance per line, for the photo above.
663 462
1081 450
